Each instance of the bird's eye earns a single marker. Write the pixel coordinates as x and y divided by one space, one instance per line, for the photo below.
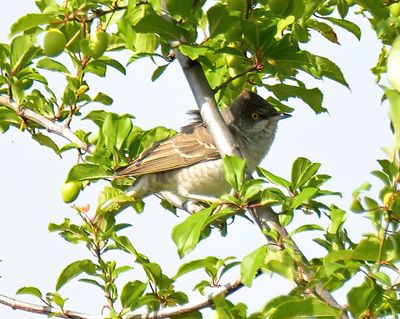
255 115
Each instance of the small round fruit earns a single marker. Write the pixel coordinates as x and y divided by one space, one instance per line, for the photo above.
70 191
388 198
98 44
54 42
278 7
394 9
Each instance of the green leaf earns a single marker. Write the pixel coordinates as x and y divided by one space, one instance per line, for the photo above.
302 171
145 43
85 171
304 308
268 197
52 65
179 8
115 130
280 107
22 51
186 235
273 178
251 263
113 63
91 282
219 20
114 200
153 23
343 8
306 194
195 265
74 269
44 140
329 69
29 21
234 168
360 298
98 117
303 228
313 97
251 188
347 25
103 98
337 217
325 30
131 293
155 275
158 72
30 291
281 262
193 51
383 277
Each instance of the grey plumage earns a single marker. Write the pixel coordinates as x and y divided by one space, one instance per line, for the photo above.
189 165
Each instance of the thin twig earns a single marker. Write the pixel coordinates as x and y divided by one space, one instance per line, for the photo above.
44 310
44 122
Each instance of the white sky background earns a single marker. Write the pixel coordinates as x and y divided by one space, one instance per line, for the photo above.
347 141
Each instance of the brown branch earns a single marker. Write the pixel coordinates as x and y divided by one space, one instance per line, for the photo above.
44 310
204 302
191 306
44 122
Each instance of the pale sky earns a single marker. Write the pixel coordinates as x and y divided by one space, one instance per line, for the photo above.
347 142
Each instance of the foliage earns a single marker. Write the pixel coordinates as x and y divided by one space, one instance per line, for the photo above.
239 44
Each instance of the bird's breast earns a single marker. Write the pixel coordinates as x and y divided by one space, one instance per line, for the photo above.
205 178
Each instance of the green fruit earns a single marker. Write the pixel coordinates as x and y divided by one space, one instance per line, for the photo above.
98 44
388 198
393 65
54 42
296 8
70 191
278 7
394 9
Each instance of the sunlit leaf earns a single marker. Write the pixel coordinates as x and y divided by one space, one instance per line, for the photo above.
251 264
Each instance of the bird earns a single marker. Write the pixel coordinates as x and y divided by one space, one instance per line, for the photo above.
189 166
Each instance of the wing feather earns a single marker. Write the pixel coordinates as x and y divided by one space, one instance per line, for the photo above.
182 150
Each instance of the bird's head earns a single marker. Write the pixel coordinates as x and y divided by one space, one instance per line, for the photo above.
251 113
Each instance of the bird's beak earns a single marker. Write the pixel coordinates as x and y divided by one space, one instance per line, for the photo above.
284 116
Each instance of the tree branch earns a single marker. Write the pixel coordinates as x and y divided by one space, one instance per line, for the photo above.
44 122
265 217
204 302
191 306
43 310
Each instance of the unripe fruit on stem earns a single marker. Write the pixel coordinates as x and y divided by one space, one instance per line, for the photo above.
394 9
98 44
54 42
388 198
70 191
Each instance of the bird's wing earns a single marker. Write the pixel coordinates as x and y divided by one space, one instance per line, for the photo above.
181 150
